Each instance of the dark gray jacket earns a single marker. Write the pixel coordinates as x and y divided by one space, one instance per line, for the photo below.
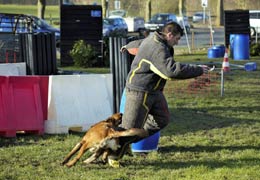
154 64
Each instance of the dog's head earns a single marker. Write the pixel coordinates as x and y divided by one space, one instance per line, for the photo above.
115 119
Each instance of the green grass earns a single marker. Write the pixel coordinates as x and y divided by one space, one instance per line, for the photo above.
51 12
209 137
96 70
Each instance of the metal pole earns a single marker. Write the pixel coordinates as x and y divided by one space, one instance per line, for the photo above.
120 81
222 83
185 31
192 40
256 38
211 30
204 17
112 69
116 46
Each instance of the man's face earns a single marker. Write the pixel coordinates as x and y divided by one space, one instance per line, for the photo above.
173 39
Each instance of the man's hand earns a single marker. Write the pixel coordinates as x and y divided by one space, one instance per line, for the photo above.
206 69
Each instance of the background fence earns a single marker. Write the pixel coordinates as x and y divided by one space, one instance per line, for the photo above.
37 50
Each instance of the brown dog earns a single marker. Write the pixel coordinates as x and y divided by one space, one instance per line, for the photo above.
102 138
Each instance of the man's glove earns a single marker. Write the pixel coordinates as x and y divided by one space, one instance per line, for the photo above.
206 69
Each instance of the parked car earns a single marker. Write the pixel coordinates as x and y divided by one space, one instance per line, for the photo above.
20 23
254 20
135 24
184 22
159 20
115 26
118 13
198 17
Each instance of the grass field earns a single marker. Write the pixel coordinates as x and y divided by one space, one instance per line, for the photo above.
51 12
209 137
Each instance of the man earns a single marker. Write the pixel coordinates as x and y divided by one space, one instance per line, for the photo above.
153 65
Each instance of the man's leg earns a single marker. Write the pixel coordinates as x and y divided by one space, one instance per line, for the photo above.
137 107
159 115
134 115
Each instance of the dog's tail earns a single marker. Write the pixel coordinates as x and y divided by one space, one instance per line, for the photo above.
72 152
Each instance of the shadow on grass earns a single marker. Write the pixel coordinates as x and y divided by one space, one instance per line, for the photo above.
212 164
208 149
30 139
185 120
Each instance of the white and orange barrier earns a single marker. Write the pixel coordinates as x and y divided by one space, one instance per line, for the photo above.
53 104
78 101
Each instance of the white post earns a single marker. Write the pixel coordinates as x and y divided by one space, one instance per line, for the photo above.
204 4
211 30
185 31
256 34
222 83
204 17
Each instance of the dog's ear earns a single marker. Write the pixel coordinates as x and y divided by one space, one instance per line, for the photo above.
115 119
117 116
110 120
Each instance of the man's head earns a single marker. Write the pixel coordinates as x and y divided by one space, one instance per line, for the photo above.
172 32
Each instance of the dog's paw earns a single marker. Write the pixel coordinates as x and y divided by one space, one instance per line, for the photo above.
114 163
64 162
69 165
88 161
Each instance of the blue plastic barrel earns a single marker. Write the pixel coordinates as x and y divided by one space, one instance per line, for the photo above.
241 47
221 48
145 145
213 53
231 44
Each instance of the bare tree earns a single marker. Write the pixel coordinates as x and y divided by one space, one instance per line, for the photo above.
180 7
241 4
148 10
104 8
220 12
41 8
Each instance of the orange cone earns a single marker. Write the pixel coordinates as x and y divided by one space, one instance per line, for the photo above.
225 64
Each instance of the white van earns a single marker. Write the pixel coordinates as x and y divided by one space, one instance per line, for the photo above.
254 20
135 24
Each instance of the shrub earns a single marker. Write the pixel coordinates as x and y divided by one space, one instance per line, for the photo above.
83 54
255 49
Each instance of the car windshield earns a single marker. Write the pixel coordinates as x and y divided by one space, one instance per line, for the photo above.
159 18
110 21
40 22
199 14
105 22
120 13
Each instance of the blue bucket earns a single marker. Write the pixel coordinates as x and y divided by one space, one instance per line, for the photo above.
252 66
122 103
241 47
213 52
148 144
145 145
